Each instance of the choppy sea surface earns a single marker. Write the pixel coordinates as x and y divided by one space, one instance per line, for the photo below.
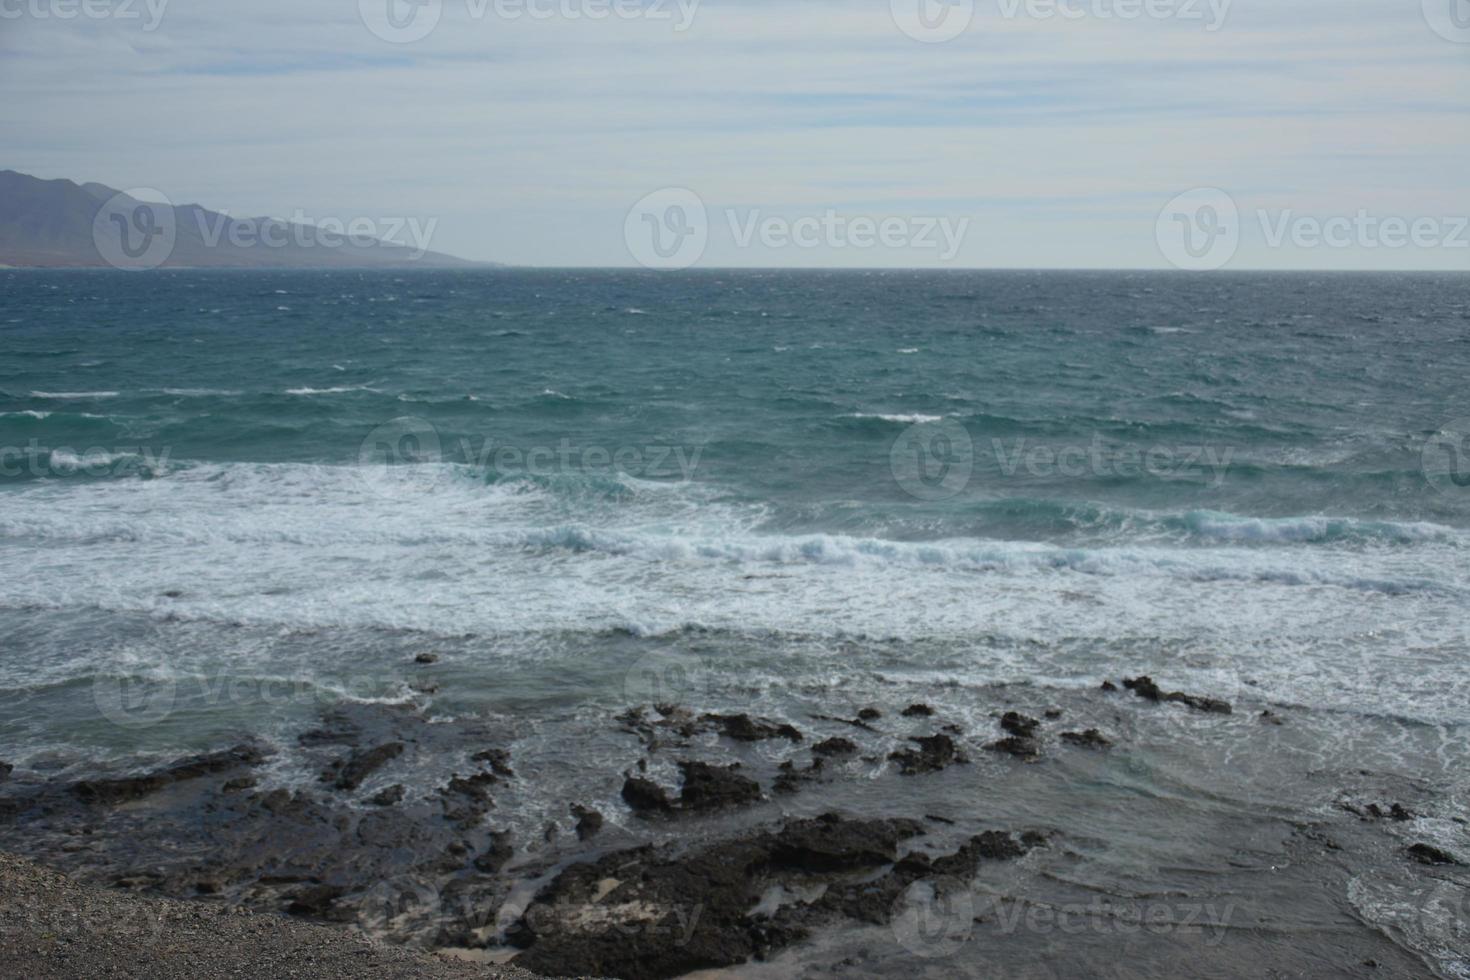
228 500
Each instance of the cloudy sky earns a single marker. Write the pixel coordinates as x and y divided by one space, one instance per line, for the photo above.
799 127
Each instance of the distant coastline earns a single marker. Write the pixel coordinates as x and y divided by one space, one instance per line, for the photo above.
51 224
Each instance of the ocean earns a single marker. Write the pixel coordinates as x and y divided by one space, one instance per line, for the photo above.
232 501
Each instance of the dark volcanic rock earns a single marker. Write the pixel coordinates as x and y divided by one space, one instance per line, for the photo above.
496 854
646 914
1429 854
5 770
869 714
1091 739
646 796
935 752
790 778
1109 686
426 658
589 821
497 759
467 799
743 728
349 772
675 725
834 746
1019 725
1022 748
832 843
315 900
649 913
110 791
708 787
918 711
391 796
1145 687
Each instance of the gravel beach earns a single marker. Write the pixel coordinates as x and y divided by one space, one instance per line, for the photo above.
51 926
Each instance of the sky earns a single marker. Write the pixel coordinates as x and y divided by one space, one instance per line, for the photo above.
1314 134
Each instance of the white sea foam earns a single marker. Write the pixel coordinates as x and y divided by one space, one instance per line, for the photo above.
74 394
64 459
337 390
909 418
308 547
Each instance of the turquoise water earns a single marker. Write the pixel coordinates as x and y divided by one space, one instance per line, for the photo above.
970 476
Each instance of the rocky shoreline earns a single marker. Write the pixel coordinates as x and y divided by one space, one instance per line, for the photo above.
701 867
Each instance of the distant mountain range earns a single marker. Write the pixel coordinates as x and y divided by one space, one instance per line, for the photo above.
60 224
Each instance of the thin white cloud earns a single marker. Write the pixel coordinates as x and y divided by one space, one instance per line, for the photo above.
528 141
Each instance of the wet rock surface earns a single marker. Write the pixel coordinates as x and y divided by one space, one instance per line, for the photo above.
649 913
834 746
1145 687
1089 739
349 772
210 825
589 821
1429 854
122 790
745 729
674 725
933 753
1019 725
706 787
695 845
